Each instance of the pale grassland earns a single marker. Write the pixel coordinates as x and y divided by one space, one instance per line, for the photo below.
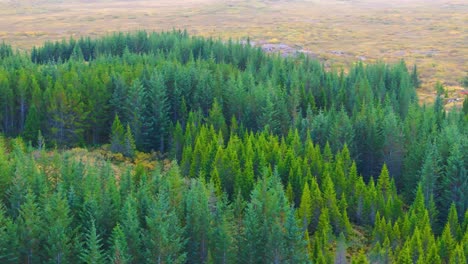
433 34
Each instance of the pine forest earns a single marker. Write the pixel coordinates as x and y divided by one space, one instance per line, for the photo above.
150 147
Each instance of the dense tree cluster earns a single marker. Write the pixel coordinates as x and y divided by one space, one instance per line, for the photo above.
276 160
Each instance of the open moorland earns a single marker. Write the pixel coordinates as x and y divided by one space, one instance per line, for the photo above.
433 34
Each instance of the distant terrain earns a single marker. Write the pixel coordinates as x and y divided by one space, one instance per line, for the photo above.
432 34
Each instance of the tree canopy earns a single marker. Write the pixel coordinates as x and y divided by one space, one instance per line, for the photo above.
260 158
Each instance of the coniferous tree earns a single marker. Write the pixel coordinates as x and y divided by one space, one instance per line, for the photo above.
404 256
340 255
222 230
164 240
119 97
77 53
197 223
295 245
177 142
446 244
216 118
57 220
5 168
66 114
305 208
32 125
29 228
129 220
432 256
264 225
155 114
430 172
393 145
316 202
247 178
452 220
330 201
119 252
8 238
456 179
458 256
415 77
360 258
117 136
129 143
92 252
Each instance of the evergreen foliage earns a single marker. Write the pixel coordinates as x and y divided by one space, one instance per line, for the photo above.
276 160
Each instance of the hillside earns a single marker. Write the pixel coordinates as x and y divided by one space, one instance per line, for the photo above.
210 151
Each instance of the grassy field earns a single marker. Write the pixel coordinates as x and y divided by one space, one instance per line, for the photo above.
431 33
